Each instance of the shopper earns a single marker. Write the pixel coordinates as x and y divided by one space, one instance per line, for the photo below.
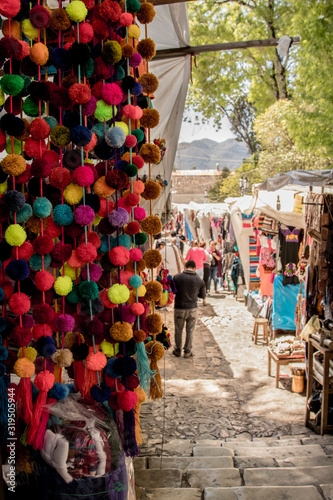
206 268
171 257
181 240
198 255
189 287
215 265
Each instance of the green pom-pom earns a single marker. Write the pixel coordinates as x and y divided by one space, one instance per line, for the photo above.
133 6
119 72
98 129
111 52
140 238
88 290
139 134
12 84
131 170
87 68
31 108
104 112
17 146
77 11
118 294
74 296
22 215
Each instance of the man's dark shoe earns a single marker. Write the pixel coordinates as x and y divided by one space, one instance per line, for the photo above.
188 354
176 352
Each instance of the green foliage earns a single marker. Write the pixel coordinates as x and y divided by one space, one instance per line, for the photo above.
229 186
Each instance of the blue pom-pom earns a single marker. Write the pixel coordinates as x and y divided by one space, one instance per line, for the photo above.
100 393
125 241
109 368
36 264
136 89
71 388
115 137
3 324
81 135
60 58
124 366
2 295
45 346
63 215
17 270
135 281
121 164
58 391
3 353
51 121
22 215
42 208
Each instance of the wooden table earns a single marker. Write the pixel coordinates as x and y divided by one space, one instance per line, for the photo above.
280 360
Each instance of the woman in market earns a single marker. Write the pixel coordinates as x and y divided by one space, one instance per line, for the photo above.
215 265
206 268
197 254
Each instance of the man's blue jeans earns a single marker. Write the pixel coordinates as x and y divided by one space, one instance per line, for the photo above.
213 276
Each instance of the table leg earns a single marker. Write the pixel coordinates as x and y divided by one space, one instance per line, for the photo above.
324 404
277 374
269 363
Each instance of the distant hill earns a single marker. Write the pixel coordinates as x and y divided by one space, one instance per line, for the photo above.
205 154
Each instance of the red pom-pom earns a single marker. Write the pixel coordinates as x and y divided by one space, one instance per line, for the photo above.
43 313
79 93
44 280
104 207
3 139
20 336
106 301
110 10
86 252
44 381
126 19
133 228
97 91
51 157
19 303
41 330
102 71
25 251
34 148
135 254
137 308
10 8
40 168
111 93
42 245
132 112
83 176
61 252
126 400
119 256
122 204
101 29
60 98
7 287
138 161
23 178
13 105
39 129
39 16
96 361
130 141
60 177
52 230
92 238
132 199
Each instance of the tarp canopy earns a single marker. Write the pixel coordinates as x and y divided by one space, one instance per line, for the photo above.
212 209
297 180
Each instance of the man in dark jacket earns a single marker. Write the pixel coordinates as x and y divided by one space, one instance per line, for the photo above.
189 287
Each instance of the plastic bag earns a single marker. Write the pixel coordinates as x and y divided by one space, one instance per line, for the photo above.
312 326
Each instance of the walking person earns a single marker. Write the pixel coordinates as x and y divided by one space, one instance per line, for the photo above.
206 268
215 265
189 287
198 255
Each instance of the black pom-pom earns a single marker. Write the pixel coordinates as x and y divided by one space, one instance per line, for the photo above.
33 186
96 304
72 159
28 67
39 91
14 70
79 53
3 176
106 263
106 227
28 287
96 51
60 58
127 83
52 193
71 120
14 200
17 270
93 201
80 352
11 124
103 151
5 250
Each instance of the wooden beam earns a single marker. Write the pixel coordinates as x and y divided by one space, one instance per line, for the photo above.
199 49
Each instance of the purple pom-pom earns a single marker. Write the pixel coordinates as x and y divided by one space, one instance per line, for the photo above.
27 321
64 323
100 393
128 316
135 60
90 107
118 218
95 272
84 215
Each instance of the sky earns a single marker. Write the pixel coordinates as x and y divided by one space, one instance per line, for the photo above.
191 132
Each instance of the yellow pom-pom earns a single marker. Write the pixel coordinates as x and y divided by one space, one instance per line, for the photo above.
73 194
118 294
2 97
141 291
70 271
24 368
133 31
124 126
63 285
28 29
15 235
29 352
3 187
77 11
109 349
97 220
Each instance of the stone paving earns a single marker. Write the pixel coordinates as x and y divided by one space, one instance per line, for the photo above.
223 391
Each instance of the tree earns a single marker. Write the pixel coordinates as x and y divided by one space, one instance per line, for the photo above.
229 186
214 192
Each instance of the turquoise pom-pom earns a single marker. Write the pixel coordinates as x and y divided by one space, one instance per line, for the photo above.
125 241
98 130
42 208
51 121
88 290
35 262
63 215
22 215
135 281
104 244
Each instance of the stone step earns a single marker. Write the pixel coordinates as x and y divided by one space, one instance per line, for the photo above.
263 493
140 463
254 462
305 462
325 439
170 494
184 463
327 490
260 444
212 451
158 478
280 452
204 478
290 476
180 447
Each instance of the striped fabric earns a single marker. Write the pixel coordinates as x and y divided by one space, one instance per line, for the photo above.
254 259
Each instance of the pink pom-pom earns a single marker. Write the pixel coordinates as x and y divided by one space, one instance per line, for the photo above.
119 256
139 213
126 19
84 215
64 323
138 161
130 141
90 146
96 361
83 176
19 303
112 94
44 280
90 107
34 148
135 60
44 381
86 32
132 112
95 272
86 252
135 254
42 330
126 400
138 187
137 308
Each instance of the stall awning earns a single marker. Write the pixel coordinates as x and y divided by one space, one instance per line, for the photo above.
297 180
